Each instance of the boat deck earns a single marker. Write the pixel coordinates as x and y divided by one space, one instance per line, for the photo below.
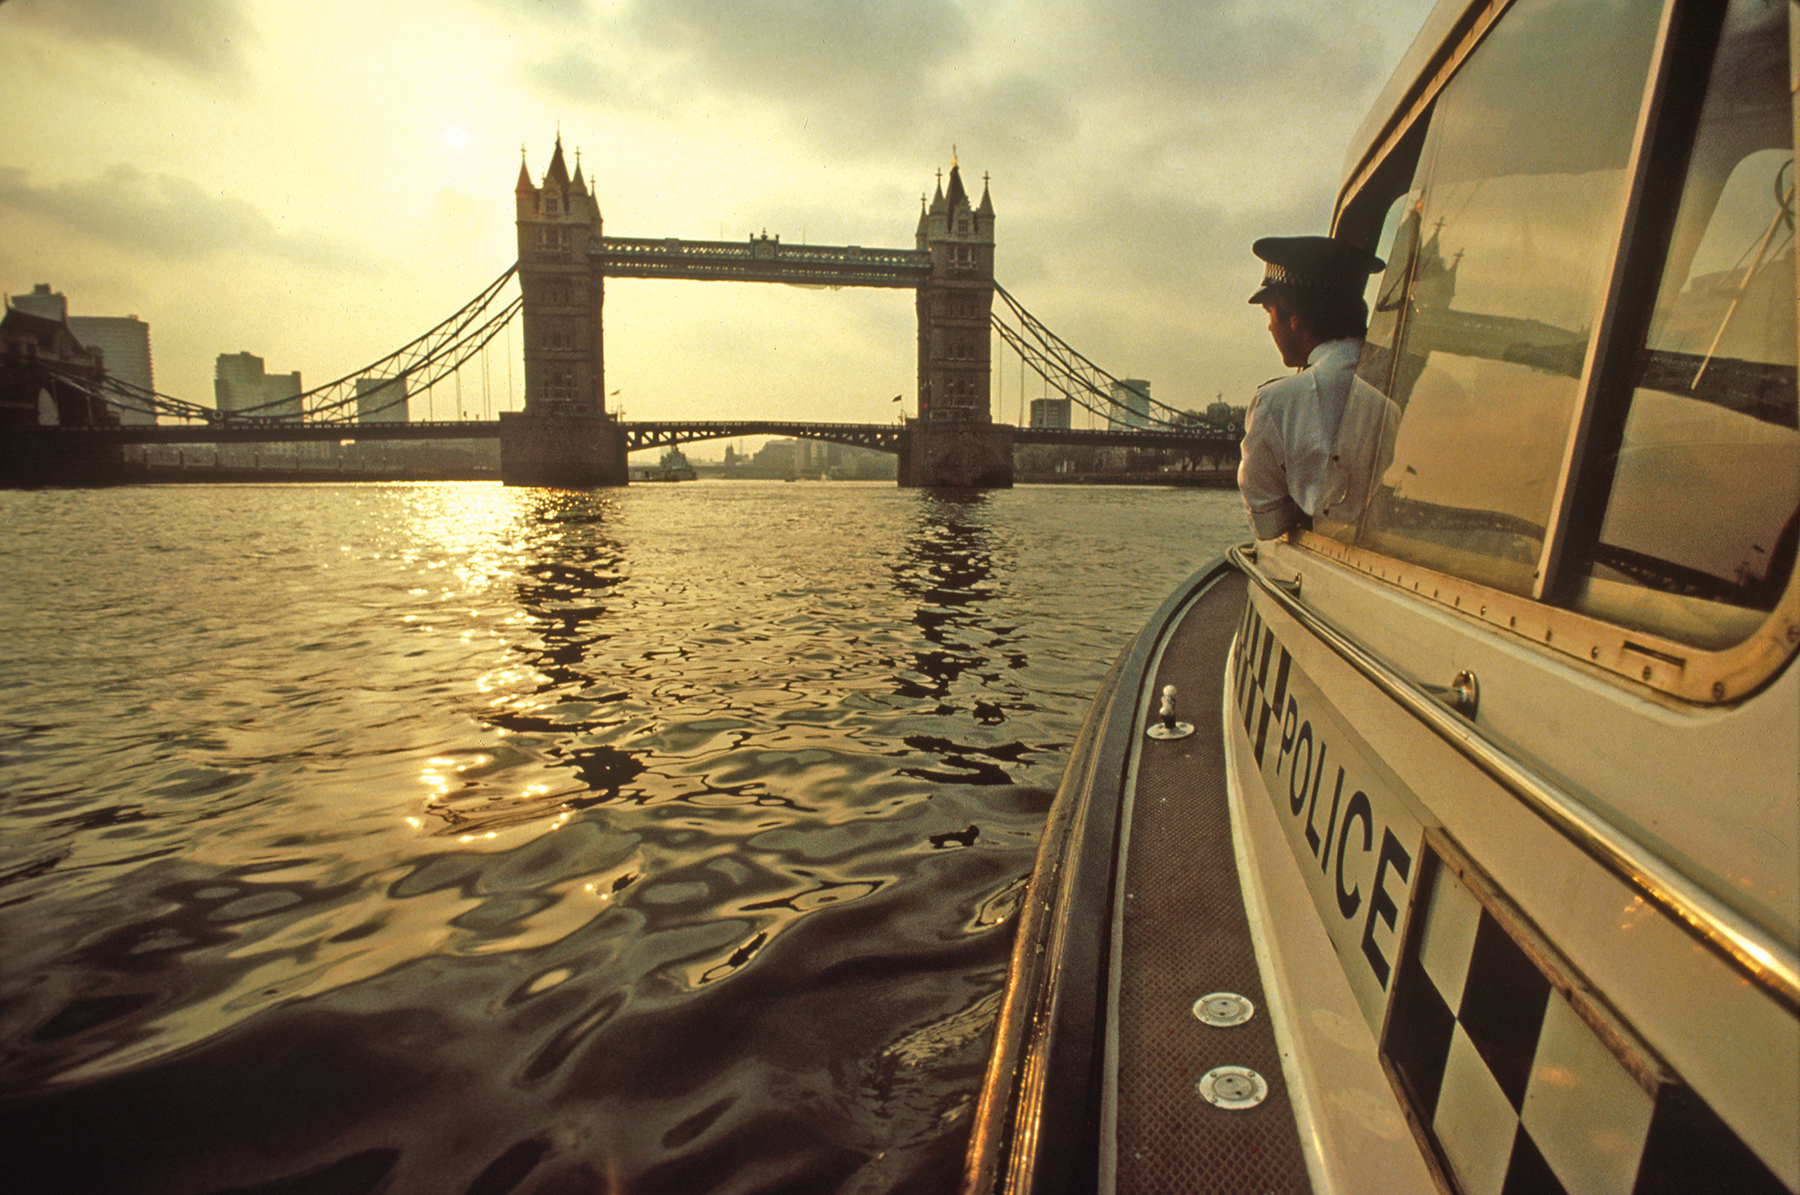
1182 933
1094 1080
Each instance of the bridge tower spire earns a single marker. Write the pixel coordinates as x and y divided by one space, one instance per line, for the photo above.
564 436
955 441
565 372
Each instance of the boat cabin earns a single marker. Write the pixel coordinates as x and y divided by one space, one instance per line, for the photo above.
1476 868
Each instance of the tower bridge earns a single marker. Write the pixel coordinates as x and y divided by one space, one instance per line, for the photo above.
565 436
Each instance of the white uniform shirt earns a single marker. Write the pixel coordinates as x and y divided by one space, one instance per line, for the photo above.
1295 463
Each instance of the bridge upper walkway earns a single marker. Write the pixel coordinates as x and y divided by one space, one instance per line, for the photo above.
761 259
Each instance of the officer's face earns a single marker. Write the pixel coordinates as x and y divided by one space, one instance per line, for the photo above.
1286 335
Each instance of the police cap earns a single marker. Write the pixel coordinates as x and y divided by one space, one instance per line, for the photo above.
1318 265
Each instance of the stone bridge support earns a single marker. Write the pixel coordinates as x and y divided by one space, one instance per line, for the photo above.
957 455
564 451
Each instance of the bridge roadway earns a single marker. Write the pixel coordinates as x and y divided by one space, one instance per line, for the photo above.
880 437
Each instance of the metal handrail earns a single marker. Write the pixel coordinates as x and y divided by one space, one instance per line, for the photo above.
1762 956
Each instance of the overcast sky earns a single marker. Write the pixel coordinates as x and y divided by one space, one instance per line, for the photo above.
318 183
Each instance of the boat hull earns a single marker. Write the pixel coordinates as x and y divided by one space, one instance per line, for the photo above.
1453 989
1522 972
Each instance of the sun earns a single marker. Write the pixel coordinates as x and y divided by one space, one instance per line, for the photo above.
454 138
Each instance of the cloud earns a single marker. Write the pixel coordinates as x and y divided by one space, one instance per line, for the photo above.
203 36
1112 80
173 218
1028 117
808 48
578 77
1214 52
859 79
546 12
1155 240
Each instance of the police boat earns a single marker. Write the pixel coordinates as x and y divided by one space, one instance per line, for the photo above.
1464 855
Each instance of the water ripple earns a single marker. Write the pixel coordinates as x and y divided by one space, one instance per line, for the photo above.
424 838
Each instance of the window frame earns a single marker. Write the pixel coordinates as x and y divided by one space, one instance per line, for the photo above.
1667 124
1668 119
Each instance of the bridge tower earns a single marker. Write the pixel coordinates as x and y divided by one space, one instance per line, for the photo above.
564 436
955 441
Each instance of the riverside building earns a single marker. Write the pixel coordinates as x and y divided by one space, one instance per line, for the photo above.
122 340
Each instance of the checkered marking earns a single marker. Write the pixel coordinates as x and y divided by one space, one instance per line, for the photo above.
1494 1049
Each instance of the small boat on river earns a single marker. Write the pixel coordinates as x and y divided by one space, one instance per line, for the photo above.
1466 855
673 466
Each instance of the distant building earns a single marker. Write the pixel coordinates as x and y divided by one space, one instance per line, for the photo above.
240 385
125 342
42 301
45 374
813 460
1050 412
122 340
381 400
1130 404
778 458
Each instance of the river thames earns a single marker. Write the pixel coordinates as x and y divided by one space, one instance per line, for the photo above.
451 837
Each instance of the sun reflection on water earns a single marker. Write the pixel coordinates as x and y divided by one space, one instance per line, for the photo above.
546 786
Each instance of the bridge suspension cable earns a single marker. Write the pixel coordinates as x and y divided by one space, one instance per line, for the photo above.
128 396
427 359
420 364
1077 378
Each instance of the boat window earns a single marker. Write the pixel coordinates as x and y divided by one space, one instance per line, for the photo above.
1698 538
1370 421
1496 275
1386 295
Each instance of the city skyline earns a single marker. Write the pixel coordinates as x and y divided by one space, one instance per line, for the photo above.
319 185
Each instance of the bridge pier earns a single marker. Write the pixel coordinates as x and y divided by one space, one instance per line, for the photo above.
566 451
950 454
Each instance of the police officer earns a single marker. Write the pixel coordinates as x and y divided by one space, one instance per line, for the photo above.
1293 466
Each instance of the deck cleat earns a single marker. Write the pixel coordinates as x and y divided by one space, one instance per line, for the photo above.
1167 727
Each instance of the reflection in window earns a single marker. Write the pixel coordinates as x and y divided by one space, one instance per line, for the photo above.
1496 277
1384 296
1699 532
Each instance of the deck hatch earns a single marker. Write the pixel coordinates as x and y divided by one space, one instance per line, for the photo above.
1233 1087
1223 1010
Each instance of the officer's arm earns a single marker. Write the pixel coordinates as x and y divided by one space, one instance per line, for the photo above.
1262 477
